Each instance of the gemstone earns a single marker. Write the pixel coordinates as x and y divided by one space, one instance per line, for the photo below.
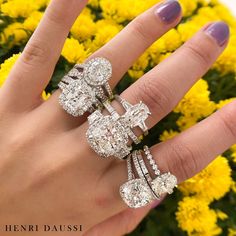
107 136
97 71
164 183
77 98
136 193
136 115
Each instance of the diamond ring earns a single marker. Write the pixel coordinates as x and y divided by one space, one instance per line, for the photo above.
138 192
86 86
110 135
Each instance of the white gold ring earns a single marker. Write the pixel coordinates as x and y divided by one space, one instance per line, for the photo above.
86 86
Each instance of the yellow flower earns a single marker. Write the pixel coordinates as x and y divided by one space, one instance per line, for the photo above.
212 183
196 103
32 21
221 215
94 3
139 66
73 51
231 232
196 218
6 67
84 27
168 135
188 6
106 30
13 34
21 8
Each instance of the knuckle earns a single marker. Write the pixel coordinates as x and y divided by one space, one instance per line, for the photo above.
141 29
200 52
34 54
156 95
183 161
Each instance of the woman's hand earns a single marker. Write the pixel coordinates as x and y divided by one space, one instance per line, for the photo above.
49 174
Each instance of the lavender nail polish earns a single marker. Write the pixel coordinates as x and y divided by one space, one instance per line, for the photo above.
219 31
169 11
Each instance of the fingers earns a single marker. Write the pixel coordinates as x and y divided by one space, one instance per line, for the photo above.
33 70
191 151
164 86
124 49
128 45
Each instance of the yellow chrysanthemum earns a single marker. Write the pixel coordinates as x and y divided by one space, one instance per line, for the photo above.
94 3
106 30
212 183
73 51
196 218
195 105
21 8
139 66
5 68
84 27
232 232
188 6
13 34
32 21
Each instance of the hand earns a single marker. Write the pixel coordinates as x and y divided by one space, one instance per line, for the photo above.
48 172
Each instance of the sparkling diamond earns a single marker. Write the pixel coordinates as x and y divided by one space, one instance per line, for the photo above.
136 115
107 136
77 98
136 193
98 71
164 184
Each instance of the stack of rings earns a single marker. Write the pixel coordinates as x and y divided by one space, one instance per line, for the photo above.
138 192
86 89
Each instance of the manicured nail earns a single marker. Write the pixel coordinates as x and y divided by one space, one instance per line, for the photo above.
219 31
169 11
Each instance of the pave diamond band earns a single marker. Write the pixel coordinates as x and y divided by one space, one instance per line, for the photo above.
86 86
138 192
110 135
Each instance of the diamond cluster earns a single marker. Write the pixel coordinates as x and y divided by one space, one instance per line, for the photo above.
109 135
82 86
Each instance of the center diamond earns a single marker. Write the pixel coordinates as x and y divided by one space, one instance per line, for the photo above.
136 193
164 183
77 98
107 137
97 71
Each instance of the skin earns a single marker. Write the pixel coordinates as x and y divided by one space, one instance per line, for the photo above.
48 172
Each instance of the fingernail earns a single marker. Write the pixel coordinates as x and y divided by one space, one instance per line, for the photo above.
219 31
168 11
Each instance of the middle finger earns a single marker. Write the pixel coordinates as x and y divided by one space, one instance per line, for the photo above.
124 49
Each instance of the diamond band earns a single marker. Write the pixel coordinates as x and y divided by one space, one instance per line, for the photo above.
138 192
110 135
86 86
